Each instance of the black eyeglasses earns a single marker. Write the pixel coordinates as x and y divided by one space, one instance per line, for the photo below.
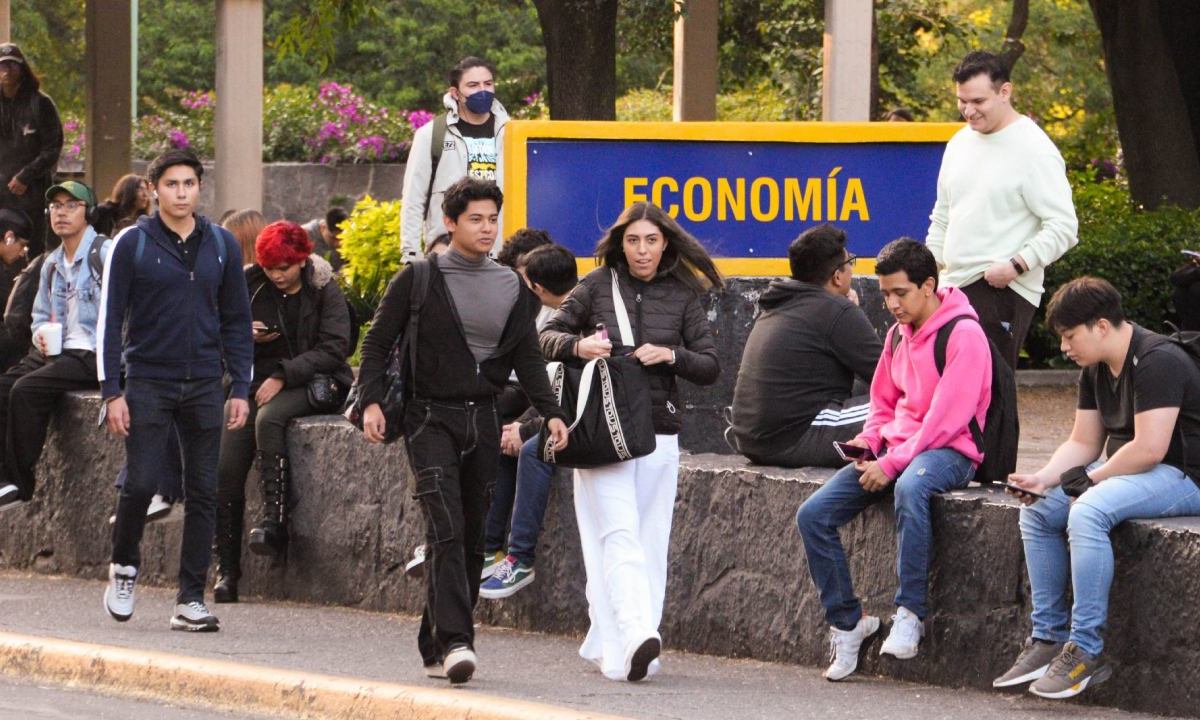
850 261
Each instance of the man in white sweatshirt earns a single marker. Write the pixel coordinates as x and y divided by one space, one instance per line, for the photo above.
467 140
1004 210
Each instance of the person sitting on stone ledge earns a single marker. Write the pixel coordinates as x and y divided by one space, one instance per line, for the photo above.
301 330
1139 406
552 273
792 399
64 336
917 444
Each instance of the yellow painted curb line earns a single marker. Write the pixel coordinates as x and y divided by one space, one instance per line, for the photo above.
253 688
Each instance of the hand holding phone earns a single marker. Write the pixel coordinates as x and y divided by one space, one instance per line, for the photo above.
1018 490
853 453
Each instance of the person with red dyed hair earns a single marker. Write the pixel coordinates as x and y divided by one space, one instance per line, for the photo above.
301 340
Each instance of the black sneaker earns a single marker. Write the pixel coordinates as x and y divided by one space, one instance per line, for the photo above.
194 617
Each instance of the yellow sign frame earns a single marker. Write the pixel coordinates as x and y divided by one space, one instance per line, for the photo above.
518 133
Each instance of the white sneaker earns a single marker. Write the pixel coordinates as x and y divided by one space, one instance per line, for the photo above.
118 596
435 670
905 635
157 510
10 497
459 665
844 646
639 654
194 617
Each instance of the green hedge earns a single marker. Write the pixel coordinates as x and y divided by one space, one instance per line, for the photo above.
1133 248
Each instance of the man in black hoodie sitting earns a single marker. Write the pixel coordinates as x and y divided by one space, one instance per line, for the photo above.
792 399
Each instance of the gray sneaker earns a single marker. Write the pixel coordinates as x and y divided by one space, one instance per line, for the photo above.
1031 664
1070 674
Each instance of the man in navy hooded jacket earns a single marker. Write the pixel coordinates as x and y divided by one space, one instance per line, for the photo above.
176 310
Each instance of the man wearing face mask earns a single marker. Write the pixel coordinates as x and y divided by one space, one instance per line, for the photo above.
466 141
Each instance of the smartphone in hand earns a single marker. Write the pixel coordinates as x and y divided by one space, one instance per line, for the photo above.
1023 491
853 453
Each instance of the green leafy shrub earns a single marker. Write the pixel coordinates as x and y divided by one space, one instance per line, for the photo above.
370 245
1133 248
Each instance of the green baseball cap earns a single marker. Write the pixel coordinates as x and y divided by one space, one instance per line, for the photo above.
75 189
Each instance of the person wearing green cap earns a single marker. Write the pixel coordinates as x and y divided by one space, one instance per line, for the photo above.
63 358
31 139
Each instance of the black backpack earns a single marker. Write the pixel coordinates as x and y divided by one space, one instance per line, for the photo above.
998 439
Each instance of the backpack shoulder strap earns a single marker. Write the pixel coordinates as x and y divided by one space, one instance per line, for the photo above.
942 340
894 338
416 298
95 260
436 144
141 248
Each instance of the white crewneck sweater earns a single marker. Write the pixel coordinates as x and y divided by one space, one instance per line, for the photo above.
1000 195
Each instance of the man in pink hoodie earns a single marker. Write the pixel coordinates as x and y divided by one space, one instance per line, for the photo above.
918 428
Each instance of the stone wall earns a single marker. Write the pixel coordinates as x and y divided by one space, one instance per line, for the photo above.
738 583
302 191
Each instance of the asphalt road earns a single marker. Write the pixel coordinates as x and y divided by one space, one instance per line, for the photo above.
528 666
23 700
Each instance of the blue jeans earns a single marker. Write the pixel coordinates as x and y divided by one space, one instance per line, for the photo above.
529 508
157 409
503 494
1062 536
841 499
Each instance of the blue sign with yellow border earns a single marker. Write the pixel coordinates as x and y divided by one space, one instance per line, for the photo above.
744 189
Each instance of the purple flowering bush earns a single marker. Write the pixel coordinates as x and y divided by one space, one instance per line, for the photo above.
187 125
330 124
74 139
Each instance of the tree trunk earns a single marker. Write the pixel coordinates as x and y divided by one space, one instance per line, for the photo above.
581 57
1014 48
1151 58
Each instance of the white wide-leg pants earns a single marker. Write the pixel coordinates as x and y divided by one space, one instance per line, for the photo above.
624 515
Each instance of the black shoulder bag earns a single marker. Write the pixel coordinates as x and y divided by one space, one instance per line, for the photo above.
400 367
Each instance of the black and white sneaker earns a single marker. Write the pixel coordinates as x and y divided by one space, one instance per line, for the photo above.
118 596
194 617
158 509
459 664
10 497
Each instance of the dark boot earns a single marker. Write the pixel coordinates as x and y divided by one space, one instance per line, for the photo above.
228 552
270 537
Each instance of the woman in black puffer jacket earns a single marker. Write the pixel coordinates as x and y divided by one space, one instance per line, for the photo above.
301 328
624 510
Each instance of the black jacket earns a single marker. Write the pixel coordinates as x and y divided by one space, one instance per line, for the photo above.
321 343
31 139
446 369
663 312
16 335
804 352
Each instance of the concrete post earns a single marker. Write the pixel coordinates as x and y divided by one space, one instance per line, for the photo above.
237 124
695 86
5 21
846 86
108 62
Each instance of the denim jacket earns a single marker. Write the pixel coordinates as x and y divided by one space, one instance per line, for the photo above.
53 282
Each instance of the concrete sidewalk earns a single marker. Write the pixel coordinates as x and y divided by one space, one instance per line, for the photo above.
518 666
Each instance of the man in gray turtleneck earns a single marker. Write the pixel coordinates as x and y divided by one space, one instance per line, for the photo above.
484 293
476 327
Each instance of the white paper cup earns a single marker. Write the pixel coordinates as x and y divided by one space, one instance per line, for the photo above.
52 334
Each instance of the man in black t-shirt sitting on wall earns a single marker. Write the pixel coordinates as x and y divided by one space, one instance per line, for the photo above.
793 399
1139 407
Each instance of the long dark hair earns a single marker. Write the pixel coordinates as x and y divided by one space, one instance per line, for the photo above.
684 257
124 197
